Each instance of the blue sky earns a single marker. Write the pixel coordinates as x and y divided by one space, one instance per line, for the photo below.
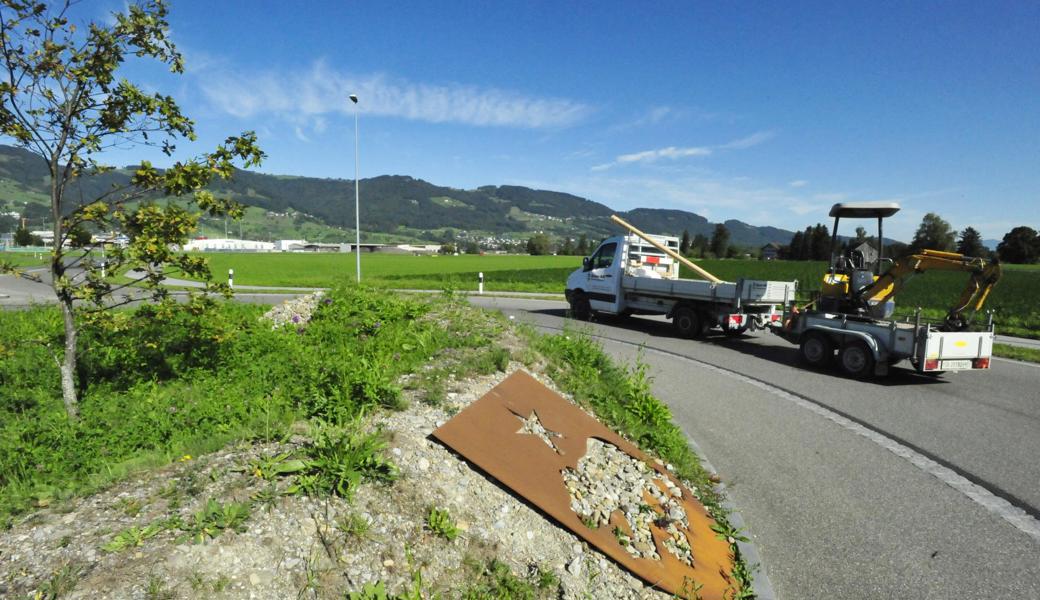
768 113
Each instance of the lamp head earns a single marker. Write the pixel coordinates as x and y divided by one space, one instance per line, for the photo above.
353 98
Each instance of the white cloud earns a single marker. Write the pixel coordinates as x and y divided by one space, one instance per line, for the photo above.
649 156
797 183
672 152
322 90
747 142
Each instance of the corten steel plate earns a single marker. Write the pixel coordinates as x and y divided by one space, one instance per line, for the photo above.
488 434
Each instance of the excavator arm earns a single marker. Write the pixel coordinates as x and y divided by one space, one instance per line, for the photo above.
984 275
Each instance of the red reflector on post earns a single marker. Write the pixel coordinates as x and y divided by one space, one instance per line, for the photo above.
981 363
931 364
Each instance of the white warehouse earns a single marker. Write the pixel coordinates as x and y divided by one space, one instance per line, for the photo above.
228 245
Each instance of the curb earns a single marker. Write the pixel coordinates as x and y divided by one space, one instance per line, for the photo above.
761 584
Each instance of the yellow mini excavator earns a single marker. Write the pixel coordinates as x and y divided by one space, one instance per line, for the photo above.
858 283
853 313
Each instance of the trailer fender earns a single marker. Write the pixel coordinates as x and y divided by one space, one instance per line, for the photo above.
868 339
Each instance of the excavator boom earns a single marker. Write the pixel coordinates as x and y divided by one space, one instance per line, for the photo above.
984 275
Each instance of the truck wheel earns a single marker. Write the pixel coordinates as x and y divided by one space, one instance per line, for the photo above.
856 360
687 322
580 307
816 349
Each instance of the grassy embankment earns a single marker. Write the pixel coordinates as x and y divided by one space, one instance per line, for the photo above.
159 384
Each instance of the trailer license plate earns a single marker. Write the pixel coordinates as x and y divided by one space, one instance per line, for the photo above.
950 365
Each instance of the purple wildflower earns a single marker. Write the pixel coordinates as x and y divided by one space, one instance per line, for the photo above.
327 301
296 318
300 330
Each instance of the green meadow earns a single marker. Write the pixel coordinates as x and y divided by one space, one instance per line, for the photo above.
1013 301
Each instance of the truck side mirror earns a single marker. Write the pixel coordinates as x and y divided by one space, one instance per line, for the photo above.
586 264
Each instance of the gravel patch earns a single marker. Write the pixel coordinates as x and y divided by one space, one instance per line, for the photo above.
295 546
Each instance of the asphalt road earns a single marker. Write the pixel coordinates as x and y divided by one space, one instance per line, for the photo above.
907 487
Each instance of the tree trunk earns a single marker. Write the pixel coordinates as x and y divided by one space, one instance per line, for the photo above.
68 363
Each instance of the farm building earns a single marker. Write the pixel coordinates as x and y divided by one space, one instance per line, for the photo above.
770 251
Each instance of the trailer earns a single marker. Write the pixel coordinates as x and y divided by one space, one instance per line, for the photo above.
850 322
639 274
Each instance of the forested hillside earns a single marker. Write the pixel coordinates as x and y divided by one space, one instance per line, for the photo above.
395 204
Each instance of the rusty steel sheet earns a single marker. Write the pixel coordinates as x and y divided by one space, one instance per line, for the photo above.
495 434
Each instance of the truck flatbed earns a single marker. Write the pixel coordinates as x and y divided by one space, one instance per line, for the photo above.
743 291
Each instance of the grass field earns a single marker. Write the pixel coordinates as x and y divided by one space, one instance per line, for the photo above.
512 273
24 259
1014 300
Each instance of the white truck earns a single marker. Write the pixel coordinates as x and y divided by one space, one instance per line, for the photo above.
629 275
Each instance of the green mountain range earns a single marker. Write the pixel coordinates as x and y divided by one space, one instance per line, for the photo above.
393 208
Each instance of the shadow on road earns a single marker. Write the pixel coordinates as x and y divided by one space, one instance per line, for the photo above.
747 344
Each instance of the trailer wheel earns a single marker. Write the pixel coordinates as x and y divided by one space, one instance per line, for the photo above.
816 349
687 322
581 309
856 360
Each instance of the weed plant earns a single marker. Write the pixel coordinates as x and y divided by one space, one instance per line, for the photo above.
339 458
164 381
439 522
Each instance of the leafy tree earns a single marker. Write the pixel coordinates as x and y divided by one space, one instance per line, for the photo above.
796 251
819 243
447 248
472 247
970 243
684 245
567 249
933 234
699 244
805 251
79 237
539 244
896 249
861 236
583 246
719 240
22 237
61 99
1020 245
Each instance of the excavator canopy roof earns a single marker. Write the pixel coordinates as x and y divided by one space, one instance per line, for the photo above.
864 210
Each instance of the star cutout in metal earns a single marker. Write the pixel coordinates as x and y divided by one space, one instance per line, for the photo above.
532 425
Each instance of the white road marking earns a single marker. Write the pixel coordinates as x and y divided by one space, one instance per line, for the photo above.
1014 515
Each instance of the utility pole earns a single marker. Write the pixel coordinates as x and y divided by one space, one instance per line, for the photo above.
357 192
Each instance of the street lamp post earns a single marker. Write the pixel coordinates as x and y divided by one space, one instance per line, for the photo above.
357 192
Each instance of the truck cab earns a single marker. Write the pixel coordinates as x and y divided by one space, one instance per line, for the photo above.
598 282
